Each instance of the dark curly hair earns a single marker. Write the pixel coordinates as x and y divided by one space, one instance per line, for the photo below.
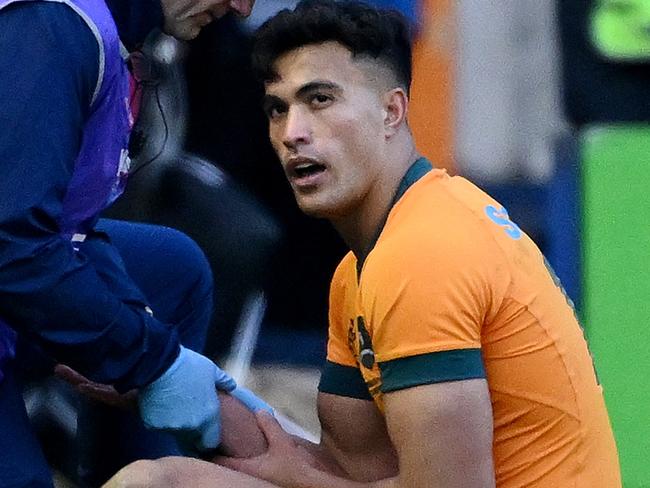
367 31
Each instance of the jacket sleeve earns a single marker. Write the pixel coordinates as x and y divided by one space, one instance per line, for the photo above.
48 72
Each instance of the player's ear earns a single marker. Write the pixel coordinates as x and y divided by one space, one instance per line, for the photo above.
395 110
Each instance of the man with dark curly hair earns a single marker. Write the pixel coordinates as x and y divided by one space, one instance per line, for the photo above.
454 357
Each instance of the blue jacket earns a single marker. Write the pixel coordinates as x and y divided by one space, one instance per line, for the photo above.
60 297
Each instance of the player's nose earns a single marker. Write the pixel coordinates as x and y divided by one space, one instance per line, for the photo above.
296 130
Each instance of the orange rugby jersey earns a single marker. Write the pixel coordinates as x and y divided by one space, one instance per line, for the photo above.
454 290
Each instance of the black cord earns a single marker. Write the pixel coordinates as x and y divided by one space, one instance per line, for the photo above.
143 139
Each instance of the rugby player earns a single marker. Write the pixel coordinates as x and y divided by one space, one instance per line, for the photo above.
455 358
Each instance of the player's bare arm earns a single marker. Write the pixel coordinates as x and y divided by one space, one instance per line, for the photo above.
181 472
353 433
442 435
241 437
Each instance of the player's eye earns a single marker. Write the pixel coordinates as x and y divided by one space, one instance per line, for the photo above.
275 110
320 100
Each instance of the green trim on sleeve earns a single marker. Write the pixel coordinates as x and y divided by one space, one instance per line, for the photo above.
344 381
435 367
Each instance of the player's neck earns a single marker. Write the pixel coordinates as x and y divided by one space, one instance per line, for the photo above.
360 229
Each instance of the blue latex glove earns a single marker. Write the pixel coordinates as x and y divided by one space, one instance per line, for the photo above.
183 401
250 400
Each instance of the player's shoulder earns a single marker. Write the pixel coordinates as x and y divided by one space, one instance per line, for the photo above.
344 274
441 216
346 266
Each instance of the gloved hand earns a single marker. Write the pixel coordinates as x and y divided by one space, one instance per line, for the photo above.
183 401
250 400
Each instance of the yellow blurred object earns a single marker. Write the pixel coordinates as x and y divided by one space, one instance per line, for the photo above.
432 108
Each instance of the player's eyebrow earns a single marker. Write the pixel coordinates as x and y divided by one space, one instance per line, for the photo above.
305 90
317 85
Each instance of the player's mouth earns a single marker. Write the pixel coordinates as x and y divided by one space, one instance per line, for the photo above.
304 172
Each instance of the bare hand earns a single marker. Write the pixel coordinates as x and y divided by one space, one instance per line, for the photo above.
97 391
284 463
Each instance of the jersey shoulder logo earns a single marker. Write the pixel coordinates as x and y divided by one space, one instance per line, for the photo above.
360 343
500 217
366 353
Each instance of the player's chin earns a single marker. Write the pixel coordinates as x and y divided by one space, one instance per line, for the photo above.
313 208
322 205
311 200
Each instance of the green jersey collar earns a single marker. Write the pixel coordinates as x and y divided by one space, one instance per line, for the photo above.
417 170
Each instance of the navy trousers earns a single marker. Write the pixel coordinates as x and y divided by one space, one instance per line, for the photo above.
175 277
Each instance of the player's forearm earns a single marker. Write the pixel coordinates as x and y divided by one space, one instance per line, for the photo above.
364 462
325 472
180 472
365 465
319 479
322 458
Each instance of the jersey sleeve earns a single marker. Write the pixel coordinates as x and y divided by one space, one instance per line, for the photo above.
341 374
426 310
